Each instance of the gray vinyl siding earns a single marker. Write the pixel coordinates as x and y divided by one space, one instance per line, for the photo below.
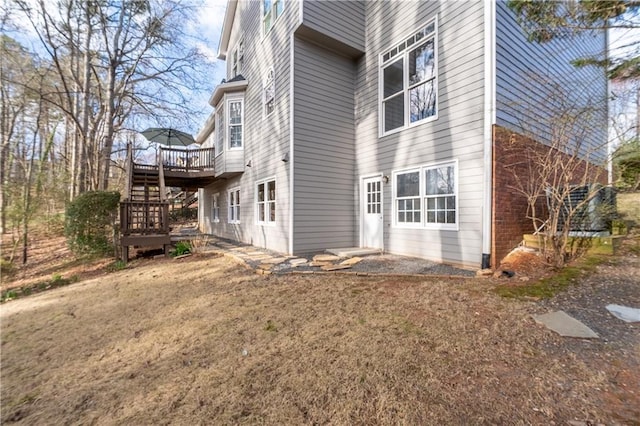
266 139
457 134
323 149
532 77
341 20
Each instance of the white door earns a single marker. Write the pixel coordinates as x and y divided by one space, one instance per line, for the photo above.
372 212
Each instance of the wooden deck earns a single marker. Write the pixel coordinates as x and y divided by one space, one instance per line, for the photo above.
144 214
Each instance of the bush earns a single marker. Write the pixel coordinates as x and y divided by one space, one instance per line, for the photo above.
90 223
182 247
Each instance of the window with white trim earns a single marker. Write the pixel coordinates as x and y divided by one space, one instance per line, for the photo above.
219 147
215 207
234 205
237 59
269 92
271 10
266 201
408 81
235 124
427 196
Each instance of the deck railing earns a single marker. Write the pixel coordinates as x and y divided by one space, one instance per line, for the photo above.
188 160
144 217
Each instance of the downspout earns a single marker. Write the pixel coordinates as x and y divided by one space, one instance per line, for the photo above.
489 121
291 162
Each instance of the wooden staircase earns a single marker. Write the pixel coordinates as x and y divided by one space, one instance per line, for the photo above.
144 212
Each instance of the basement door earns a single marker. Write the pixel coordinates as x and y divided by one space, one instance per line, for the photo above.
372 229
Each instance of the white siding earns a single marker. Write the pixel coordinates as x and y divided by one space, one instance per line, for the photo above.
266 139
323 149
341 20
456 134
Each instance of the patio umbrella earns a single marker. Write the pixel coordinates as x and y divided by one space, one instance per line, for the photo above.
167 136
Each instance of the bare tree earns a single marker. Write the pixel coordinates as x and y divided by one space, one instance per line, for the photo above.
558 163
113 57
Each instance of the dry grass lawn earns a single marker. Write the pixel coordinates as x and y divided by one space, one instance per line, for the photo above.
205 341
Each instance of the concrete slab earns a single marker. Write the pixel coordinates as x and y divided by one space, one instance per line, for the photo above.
353 251
565 325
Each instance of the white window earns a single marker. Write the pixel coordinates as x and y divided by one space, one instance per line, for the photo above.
234 205
235 124
266 201
219 147
269 93
271 10
408 81
215 208
237 59
427 197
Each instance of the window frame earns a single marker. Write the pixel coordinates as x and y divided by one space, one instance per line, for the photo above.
237 59
269 79
233 211
422 197
215 207
395 54
220 131
271 13
228 124
265 204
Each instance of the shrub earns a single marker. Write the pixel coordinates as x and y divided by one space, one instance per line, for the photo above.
90 222
182 247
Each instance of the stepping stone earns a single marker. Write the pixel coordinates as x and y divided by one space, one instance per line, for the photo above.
334 267
351 261
625 313
321 264
274 260
565 325
325 258
297 261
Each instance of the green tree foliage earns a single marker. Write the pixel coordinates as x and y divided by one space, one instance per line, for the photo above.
546 20
627 166
90 222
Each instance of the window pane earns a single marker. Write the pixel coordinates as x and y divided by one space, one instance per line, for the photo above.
422 63
261 212
279 7
235 137
393 78
451 202
261 192
272 212
271 194
408 184
441 203
422 101
267 7
401 217
431 203
451 217
235 112
440 180
416 217
394 113
440 217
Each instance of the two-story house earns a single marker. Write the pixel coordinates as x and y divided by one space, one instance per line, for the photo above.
375 124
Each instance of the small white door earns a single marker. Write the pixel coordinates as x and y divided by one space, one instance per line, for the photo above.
372 212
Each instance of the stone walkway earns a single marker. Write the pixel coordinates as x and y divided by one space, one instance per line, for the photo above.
268 262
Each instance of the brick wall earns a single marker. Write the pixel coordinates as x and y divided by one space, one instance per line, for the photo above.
509 212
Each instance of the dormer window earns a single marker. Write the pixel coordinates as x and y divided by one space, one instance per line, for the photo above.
271 10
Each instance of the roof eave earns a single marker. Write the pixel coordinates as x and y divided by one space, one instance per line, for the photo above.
229 15
221 89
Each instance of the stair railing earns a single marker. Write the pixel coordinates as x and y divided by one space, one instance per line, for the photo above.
163 192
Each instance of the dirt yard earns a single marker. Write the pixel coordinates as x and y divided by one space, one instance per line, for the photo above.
204 340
